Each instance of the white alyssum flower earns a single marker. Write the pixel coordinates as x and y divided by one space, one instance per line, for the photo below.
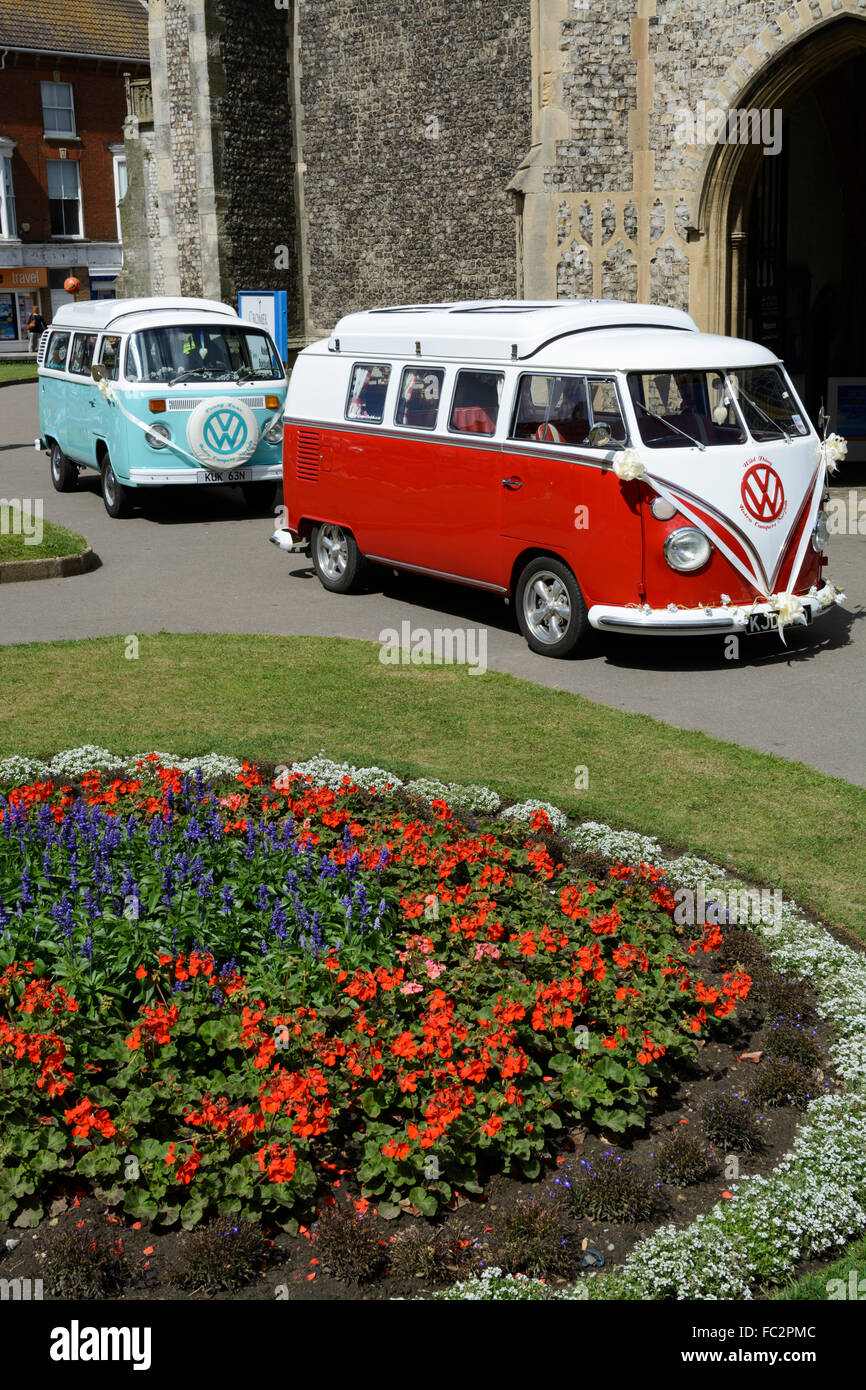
17 772
326 773
622 845
523 812
474 799
74 762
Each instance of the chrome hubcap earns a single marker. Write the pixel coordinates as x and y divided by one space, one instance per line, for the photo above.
109 485
332 550
55 464
547 608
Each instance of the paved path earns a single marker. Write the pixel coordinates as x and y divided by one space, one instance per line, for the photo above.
200 562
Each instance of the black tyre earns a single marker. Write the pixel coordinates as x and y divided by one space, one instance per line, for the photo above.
551 612
116 497
64 474
336 558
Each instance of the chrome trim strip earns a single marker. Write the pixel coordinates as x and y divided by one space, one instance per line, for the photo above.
436 574
666 627
504 446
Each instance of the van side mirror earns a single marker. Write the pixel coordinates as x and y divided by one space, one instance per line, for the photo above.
98 372
600 436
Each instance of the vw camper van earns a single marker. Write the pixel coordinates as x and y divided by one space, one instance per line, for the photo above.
159 392
595 462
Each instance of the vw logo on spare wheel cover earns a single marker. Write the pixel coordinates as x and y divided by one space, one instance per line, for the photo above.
762 492
222 433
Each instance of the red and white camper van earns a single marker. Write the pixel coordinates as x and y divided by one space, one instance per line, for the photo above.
594 461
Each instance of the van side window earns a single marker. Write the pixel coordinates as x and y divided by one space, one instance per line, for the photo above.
58 347
418 402
82 353
552 409
109 356
476 402
367 391
604 406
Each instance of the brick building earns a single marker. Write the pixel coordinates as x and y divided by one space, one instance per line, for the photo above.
62 159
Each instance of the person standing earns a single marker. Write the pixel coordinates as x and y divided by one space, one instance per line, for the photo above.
35 327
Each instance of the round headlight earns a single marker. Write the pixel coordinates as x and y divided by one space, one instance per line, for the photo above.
273 430
821 533
687 549
158 436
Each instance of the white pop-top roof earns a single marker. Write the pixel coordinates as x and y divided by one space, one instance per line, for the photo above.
650 350
494 329
99 315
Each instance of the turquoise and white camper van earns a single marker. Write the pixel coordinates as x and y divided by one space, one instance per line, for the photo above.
155 392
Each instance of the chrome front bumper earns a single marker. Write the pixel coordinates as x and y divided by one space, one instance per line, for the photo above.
687 622
163 477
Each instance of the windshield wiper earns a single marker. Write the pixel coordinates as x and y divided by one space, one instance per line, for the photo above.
675 428
754 404
188 371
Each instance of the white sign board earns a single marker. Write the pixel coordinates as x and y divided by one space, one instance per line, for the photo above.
259 310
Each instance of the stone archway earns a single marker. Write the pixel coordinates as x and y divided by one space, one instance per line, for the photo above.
764 270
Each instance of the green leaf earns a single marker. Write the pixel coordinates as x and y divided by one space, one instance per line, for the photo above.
610 1068
617 1120
140 1204
389 1211
423 1200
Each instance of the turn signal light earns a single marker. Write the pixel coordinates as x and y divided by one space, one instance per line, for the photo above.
272 402
156 407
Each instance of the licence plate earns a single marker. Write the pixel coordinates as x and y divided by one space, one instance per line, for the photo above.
769 622
231 475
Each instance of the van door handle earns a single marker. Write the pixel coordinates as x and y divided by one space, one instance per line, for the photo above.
512 483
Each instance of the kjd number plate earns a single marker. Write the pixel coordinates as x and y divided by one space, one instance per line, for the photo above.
769 622
231 475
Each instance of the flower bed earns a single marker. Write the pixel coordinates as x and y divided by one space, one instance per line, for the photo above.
216 1001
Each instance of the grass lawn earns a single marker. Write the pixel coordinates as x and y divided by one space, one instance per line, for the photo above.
282 698
814 1286
56 540
14 371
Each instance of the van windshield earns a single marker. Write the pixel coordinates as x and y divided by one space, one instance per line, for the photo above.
678 410
201 353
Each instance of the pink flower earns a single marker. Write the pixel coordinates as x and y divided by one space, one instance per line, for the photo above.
486 948
410 987
434 969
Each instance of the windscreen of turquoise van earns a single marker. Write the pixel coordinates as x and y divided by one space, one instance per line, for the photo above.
213 353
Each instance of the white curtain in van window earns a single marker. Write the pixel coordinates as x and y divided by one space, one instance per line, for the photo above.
360 378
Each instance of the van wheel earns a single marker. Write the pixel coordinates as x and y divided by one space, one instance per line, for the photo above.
64 474
115 496
550 607
336 558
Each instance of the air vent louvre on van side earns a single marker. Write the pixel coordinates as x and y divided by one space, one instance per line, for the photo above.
40 351
308 455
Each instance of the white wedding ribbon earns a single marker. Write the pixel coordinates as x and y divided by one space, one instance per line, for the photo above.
111 396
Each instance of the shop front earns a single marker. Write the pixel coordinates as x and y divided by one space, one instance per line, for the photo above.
20 293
